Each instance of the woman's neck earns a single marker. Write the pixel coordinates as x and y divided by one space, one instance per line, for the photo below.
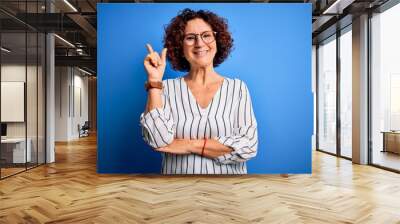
203 75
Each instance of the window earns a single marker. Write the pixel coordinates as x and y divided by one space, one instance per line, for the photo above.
346 92
327 95
385 88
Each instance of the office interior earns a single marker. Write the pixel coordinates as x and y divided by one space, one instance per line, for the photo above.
48 77
48 82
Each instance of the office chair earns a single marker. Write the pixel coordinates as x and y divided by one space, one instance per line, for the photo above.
84 130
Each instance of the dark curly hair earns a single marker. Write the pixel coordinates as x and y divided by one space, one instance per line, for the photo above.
175 31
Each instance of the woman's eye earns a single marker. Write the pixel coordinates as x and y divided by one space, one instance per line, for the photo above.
190 38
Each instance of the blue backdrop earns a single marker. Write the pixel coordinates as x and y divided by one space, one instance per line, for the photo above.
272 54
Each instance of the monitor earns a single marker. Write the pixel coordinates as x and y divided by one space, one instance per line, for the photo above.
3 129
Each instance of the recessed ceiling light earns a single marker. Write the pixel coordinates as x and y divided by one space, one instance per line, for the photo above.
5 50
70 5
337 7
64 40
84 71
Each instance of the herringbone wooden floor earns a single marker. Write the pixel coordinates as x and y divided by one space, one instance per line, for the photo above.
70 191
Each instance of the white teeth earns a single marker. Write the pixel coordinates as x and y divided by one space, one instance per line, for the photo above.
200 53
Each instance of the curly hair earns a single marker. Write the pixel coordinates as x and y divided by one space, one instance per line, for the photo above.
175 31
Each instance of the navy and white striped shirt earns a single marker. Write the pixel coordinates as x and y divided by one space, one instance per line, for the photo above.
229 118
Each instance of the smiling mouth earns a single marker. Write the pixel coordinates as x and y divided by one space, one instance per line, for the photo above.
200 53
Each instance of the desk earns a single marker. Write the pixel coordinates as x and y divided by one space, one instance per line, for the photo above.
15 148
391 141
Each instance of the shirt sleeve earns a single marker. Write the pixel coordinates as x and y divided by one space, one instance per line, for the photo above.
157 124
244 139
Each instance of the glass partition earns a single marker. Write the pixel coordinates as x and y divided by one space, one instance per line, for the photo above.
22 88
14 154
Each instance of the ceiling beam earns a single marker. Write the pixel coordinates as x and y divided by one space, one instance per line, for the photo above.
83 61
337 7
86 26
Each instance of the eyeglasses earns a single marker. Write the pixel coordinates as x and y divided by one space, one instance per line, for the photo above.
207 37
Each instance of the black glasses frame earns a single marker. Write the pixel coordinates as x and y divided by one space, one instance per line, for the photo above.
201 36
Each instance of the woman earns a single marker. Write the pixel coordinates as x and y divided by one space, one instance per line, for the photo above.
203 123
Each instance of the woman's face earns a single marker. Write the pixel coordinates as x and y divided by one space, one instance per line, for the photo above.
198 52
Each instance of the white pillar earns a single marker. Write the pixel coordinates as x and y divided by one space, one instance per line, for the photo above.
50 91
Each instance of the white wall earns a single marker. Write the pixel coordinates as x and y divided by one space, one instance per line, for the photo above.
80 103
62 81
15 72
12 73
71 93
33 127
12 100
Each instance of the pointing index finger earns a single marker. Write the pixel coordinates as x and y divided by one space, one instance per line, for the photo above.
164 55
149 48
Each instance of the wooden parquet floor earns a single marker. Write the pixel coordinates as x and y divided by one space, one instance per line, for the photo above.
70 191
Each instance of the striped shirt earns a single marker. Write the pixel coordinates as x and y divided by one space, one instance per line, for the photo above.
229 118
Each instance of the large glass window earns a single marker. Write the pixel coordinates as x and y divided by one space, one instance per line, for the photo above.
329 112
346 92
385 88
327 95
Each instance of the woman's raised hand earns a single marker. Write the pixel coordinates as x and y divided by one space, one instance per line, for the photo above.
154 64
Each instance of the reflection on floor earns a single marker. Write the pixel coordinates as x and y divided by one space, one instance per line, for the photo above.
10 169
346 152
386 159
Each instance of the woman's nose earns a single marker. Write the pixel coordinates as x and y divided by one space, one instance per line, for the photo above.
198 41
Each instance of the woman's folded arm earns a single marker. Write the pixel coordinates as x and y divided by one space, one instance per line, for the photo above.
244 139
156 121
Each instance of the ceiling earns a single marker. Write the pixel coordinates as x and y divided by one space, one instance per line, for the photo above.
76 22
